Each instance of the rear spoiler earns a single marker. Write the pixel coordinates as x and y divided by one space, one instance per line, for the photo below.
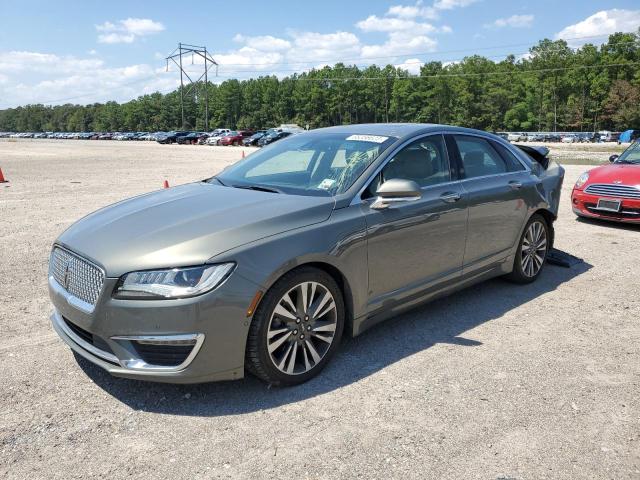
539 154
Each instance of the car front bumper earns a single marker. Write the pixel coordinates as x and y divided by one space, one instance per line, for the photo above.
138 339
586 205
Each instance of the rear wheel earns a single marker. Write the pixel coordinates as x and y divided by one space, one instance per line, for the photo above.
297 328
532 251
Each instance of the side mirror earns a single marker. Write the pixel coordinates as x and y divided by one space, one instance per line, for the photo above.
396 191
613 158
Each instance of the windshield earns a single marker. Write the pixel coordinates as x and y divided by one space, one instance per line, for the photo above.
630 155
308 164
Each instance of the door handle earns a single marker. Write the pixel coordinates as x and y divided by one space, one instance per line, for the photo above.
450 197
515 184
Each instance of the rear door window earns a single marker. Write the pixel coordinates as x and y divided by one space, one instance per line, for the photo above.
479 158
512 162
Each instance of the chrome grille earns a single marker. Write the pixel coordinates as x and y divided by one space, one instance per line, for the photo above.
613 190
78 276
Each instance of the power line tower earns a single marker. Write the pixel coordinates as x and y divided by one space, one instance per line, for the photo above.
193 50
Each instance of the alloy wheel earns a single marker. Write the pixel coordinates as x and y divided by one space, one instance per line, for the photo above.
302 328
534 249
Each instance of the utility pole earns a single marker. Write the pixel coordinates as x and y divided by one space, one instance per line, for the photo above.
186 49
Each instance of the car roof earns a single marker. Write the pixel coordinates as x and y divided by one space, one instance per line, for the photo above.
394 129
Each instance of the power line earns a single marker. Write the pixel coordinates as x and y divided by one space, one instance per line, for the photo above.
415 53
268 73
468 74
363 65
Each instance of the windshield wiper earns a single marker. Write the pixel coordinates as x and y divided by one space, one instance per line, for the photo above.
259 188
210 179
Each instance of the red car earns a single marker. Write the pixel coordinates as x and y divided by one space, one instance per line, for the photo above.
235 138
611 192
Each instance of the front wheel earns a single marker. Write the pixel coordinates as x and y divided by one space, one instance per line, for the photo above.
297 328
532 251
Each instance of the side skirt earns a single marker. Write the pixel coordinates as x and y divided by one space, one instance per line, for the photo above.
393 308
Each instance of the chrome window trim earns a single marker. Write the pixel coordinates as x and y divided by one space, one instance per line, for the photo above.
61 324
527 170
493 175
499 140
357 199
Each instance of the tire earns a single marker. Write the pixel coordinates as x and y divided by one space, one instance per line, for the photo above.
532 251
287 344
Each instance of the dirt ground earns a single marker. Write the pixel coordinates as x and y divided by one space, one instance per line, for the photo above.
496 382
581 153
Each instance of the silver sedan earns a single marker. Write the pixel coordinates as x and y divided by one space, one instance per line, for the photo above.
265 266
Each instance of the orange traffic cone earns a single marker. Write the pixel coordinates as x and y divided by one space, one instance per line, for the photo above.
242 153
2 179
166 184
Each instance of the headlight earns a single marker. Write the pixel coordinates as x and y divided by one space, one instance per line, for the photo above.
582 179
172 283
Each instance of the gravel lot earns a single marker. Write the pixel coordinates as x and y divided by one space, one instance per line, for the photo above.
581 153
496 382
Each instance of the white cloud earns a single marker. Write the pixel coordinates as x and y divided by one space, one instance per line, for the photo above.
524 56
400 43
34 77
266 43
412 65
128 30
300 52
374 23
451 4
514 21
323 46
16 62
246 58
406 29
116 38
603 23
413 11
141 26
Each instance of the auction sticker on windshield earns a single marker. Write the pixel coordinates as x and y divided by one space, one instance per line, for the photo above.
368 138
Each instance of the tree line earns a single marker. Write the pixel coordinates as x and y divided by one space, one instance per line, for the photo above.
552 88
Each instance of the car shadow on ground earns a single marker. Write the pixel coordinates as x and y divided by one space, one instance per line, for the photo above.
442 321
609 223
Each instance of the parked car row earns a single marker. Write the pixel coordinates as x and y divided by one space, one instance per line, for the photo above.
82 135
219 136
578 137
227 137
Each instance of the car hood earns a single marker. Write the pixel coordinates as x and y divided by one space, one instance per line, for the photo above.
187 225
624 173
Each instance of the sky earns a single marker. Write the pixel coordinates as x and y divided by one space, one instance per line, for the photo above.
89 51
